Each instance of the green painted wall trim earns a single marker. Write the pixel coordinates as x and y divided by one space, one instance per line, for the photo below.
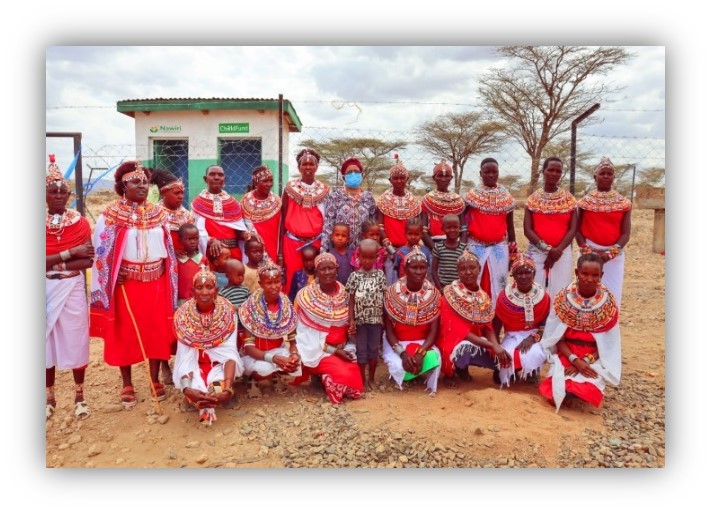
129 107
274 165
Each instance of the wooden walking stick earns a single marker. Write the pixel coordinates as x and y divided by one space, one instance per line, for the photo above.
143 351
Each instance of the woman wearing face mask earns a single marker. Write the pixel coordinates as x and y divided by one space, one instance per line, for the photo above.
350 205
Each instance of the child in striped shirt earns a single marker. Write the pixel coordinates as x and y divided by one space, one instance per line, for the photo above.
446 253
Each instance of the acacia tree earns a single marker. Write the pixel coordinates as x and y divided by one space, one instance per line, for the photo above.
544 89
373 153
456 137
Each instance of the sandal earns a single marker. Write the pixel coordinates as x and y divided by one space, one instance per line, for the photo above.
158 391
128 397
51 404
81 411
49 410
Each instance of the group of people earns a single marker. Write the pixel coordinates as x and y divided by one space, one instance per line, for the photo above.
320 284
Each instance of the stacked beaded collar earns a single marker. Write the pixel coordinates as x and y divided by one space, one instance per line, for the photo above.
412 307
443 203
218 207
604 201
144 215
524 301
56 223
473 306
255 316
178 217
595 314
399 207
204 330
258 210
490 200
324 309
307 195
558 202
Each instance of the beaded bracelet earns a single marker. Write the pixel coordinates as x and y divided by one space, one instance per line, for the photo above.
614 251
398 349
541 244
268 357
65 255
420 351
184 383
572 358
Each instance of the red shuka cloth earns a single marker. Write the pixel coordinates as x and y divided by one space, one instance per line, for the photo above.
604 228
452 330
302 222
73 235
214 229
487 228
269 232
395 230
551 227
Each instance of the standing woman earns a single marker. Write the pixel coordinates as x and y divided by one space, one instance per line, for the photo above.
172 193
549 224
133 281
350 205
68 251
604 226
301 214
322 333
490 228
438 203
263 209
394 207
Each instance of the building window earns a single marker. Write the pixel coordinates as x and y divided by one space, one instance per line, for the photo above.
172 155
238 157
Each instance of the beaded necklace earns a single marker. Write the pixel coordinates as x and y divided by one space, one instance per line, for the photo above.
260 209
177 217
558 202
219 207
412 307
473 306
491 200
323 308
592 314
306 195
144 215
526 301
204 330
399 207
55 223
255 316
441 203
605 201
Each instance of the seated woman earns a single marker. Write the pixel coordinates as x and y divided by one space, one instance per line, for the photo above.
522 309
268 317
412 308
322 332
206 362
466 337
583 333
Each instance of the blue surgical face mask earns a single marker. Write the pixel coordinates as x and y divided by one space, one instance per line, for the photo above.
353 180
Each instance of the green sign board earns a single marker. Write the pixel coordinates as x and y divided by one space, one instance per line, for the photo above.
234 128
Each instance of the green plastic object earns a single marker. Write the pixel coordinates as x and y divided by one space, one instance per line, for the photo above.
429 362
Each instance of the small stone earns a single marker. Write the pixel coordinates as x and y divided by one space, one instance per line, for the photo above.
163 419
120 461
615 441
478 431
493 428
261 413
63 446
403 459
201 459
192 444
94 450
74 439
109 408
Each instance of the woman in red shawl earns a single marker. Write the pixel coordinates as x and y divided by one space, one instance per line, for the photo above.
68 250
302 214
134 281
522 309
438 203
466 337
263 209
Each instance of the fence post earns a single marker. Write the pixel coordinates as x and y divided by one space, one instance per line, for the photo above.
574 143
281 139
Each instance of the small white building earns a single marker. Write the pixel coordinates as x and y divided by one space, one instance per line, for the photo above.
186 135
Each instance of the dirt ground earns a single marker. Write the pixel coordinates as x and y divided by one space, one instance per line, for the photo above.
492 422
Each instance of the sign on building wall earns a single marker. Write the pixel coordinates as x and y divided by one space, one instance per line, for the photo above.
234 128
154 129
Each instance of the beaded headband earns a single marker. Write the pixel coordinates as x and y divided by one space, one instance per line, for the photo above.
324 257
441 167
522 261
415 255
605 164
268 267
137 173
399 170
54 174
262 174
308 153
176 184
203 276
467 256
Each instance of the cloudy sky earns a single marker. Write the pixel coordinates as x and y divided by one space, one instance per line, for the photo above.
378 88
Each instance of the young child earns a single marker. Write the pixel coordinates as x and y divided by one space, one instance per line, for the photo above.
305 276
340 236
254 250
370 230
188 264
235 291
217 266
413 233
446 253
366 288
